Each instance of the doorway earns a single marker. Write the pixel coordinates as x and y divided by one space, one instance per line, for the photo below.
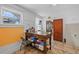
58 29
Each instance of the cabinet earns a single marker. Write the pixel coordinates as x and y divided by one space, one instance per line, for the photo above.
41 43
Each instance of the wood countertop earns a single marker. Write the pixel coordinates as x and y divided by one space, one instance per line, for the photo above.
41 36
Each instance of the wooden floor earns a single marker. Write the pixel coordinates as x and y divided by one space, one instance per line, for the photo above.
28 50
57 48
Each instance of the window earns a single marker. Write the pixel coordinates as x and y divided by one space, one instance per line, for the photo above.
38 26
10 17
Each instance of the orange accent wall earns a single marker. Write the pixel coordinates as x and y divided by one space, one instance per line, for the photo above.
10 35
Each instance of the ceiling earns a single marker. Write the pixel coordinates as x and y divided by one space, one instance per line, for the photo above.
58 10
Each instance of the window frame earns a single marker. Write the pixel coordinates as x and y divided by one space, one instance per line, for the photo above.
13 11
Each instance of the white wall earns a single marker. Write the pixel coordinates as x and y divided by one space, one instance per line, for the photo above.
70 15
69 12
71 31
28 16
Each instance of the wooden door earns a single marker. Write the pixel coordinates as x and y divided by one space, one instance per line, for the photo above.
58 29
